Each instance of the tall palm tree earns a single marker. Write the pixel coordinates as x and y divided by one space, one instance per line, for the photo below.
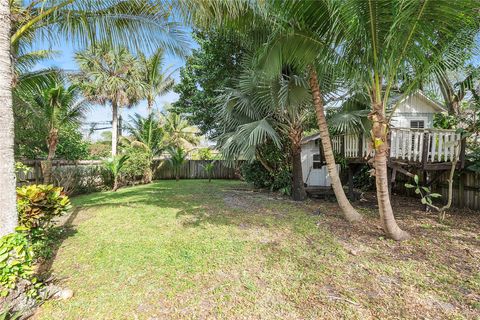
261 109
8 216
109 76
178 131
147 135
80 22
156 81
383 40
56 107
299 35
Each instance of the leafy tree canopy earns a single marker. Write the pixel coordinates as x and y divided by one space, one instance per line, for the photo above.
210 68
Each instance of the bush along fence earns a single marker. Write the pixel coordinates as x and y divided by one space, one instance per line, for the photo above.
466 188
85 176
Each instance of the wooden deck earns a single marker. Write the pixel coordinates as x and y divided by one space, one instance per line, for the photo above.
430 149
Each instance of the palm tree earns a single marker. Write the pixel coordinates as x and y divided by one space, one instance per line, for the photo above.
156 81
178 157
262 109
115 165
57 106
81 22
178 131
8 217
109 76
383 40
147 135
299 34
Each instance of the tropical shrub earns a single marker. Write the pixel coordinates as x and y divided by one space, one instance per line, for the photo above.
114 167
39 204
178 157
282 182
80 179
203 154
209 167
255 173
16 260
136 166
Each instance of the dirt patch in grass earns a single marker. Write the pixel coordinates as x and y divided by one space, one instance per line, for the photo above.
199 250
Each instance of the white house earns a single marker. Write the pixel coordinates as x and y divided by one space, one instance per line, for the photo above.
413 112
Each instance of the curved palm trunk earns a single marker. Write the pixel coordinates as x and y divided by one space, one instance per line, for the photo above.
380 141
349 212
8 213
114 128
298 188
52 142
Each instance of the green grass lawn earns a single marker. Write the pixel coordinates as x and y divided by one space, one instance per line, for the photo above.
197 250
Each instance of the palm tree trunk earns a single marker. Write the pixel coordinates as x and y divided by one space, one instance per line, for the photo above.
349 212
115 183
298 188
8 213
149 106
380 141
114 128
52 143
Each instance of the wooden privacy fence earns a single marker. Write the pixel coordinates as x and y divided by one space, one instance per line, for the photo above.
466 189
195 169
192 169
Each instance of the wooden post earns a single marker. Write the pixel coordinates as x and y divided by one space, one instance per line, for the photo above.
463 144
461 190
351 194
426 139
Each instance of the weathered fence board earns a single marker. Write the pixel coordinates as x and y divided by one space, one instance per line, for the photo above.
466 189
195 169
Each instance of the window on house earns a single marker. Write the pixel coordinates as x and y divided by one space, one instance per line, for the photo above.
417 124
317 161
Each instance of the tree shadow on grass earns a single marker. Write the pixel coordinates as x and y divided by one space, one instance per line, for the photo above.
62 232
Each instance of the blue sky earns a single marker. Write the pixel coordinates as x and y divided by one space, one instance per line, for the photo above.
99 113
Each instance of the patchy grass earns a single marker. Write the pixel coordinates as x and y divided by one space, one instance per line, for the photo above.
200 250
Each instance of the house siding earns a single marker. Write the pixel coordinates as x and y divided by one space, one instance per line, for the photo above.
414 107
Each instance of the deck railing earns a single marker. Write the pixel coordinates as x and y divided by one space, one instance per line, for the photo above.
413 145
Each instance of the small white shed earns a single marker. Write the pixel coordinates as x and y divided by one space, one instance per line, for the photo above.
315 173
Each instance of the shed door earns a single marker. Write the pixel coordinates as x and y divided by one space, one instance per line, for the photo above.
319 173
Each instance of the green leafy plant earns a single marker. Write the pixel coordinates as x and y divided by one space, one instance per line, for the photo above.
115 166
209 167
425 193
16 259
8 314
178 157
254 173
137 166
39 204
21 171
282 182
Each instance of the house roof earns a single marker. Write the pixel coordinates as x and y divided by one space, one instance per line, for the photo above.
419 93
311 137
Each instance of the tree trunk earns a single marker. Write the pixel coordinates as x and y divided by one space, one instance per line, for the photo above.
380 143
149 106
52 142
8 213
298 188
115 184
349 212
114 128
